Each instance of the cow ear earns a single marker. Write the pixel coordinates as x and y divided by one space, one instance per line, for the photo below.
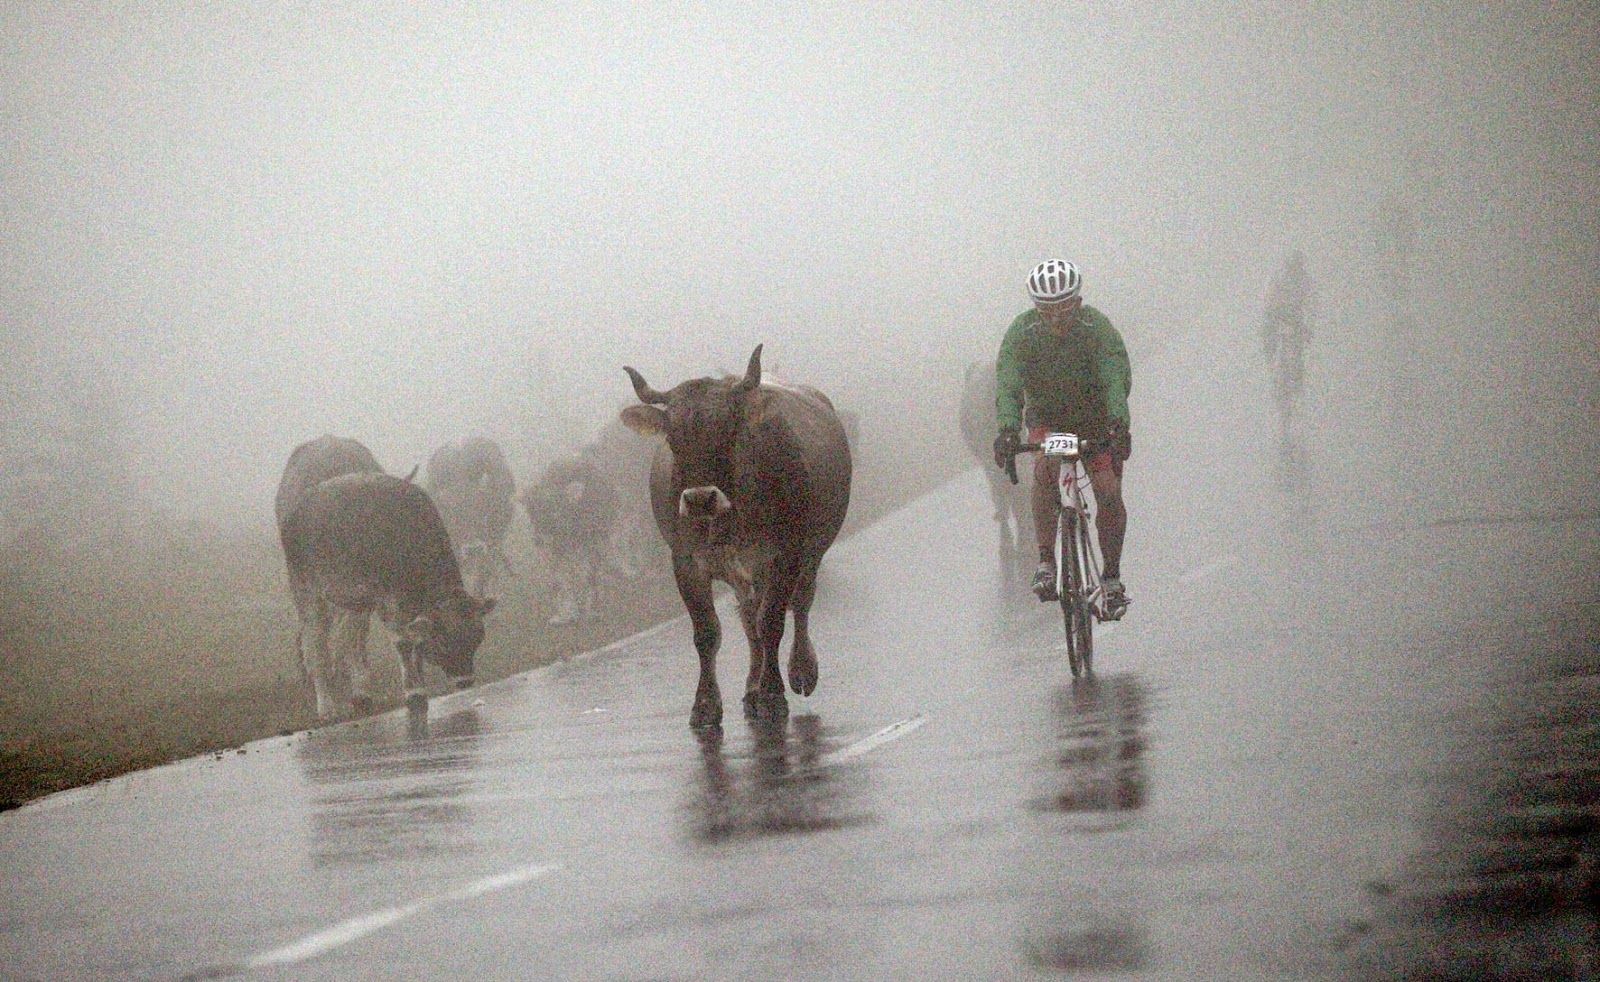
649 420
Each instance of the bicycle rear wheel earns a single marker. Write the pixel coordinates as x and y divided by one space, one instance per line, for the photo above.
1071 585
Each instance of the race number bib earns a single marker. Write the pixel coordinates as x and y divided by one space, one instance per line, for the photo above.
1061 445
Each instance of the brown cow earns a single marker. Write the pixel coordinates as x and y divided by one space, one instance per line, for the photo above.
310 464
572 510
366 542
750 487
471 485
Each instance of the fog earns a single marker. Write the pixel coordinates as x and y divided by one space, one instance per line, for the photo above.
230 228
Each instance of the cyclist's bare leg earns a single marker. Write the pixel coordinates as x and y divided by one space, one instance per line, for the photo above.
1111 516
1046 504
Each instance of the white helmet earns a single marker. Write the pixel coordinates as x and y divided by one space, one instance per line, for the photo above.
1054 280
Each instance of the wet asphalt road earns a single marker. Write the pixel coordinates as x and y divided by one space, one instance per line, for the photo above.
1269 741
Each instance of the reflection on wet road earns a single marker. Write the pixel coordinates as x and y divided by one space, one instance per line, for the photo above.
1099 759
777 787
1506 880
1101 752
374 798
1264 781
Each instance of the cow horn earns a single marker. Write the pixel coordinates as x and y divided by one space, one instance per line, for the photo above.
642 389
752 375
411 476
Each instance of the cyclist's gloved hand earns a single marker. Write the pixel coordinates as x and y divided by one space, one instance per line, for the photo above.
1120 439
1005 448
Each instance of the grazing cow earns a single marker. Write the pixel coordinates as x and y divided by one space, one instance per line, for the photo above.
366 542
316 461
472 487
978 427
310 464
572 510
750 488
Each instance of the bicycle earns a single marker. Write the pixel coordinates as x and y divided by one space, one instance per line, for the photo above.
1077 560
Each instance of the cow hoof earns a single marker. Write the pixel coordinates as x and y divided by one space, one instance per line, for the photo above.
803 676
706 715
361 705
416 702
765 706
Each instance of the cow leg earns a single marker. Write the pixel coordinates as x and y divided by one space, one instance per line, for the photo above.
747 590
765 701
569 574
356 626
999 492
616 546
411 677
997 495
591 585
803 657
694 586
316 622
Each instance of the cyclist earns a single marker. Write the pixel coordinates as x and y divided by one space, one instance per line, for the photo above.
1065 360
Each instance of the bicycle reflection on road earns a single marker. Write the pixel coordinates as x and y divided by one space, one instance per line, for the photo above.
778 787
1095 924
1102 744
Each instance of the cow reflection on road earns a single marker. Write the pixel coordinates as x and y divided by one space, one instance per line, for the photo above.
382 794
780 786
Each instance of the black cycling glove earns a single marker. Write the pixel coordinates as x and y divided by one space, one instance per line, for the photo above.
1005 448
1121 440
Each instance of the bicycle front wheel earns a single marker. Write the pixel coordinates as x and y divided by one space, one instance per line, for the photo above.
1072 586
1086 580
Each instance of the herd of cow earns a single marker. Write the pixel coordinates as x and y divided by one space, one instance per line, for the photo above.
749 484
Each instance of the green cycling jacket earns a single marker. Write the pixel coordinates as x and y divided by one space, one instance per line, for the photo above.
1078 383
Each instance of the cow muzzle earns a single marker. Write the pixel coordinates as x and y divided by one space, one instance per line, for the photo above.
462 682
703 502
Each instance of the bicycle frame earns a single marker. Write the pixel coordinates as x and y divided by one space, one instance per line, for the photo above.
1077 560
1074 517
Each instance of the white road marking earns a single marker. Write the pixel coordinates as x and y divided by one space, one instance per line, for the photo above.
1215 566
355 928
893 731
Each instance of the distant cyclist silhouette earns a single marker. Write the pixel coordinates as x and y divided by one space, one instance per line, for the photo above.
1285 336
